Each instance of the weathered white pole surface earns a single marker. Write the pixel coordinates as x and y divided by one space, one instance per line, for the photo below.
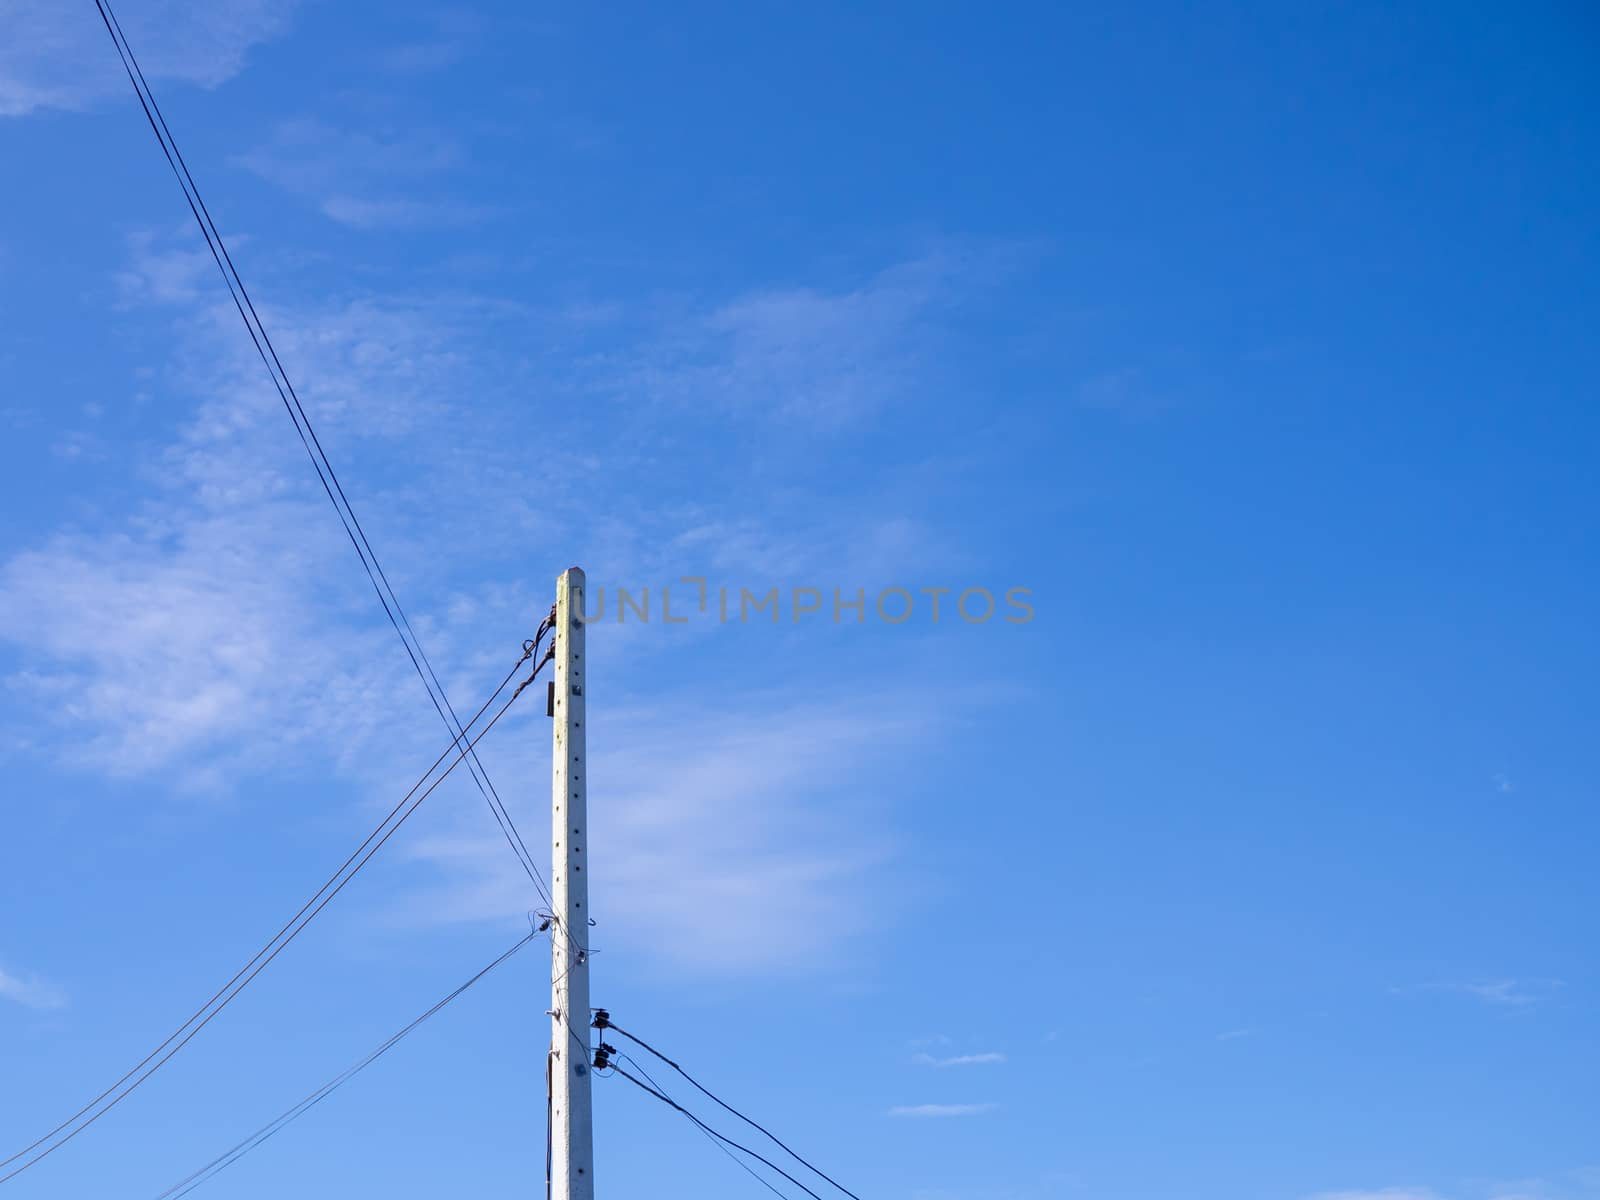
571 1113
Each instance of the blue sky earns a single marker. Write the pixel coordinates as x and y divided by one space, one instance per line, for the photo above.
1256 343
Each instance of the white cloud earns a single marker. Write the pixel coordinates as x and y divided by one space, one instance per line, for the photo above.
940 1110
1500 993
172 642
162 272
820 357
1116 389
220 620
1579 1184
731 855
56 55
718 837
30 991
362 179
959 1060
447 40
1508 993
220 623
360 212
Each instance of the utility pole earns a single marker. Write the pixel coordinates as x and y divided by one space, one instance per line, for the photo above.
571 1109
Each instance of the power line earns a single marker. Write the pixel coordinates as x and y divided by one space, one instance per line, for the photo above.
152 1062
262 957
743 1166
722 1137
309 440
232 1155
603 1020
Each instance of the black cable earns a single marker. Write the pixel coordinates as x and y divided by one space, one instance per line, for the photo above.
230 990
231 274
209 230
265 947
308 438
226 1159
743 1166
502 814
815 1170
667 1100
582 1043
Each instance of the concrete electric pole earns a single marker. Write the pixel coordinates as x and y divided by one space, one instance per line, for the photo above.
571 1110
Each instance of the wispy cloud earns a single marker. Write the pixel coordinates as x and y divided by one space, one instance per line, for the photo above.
940 1110
959 1060
1125 390
1509 993
398 212
164 271
819 357
447 41
1580 1184
219 623
156 644
214 607
363 179
726 860
30 991
58 56
1498 992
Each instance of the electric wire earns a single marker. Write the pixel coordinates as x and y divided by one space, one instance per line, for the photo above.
231 277
225 995
269 943
724 1104
722 1137
743 1166
234 1153
549 1123
320 462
